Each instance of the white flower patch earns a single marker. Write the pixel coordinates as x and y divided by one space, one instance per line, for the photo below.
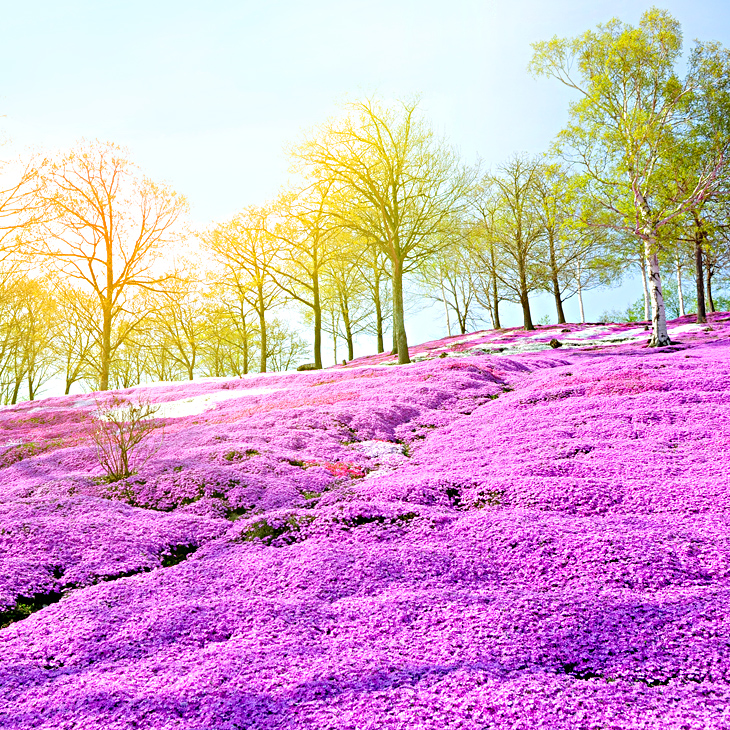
692 328
378 449
388 455
82 403
198 404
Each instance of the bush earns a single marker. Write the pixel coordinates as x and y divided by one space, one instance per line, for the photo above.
119 431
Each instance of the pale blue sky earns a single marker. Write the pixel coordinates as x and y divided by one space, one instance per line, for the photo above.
206 94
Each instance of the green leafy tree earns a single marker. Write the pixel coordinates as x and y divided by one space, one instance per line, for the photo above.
631 109
394 182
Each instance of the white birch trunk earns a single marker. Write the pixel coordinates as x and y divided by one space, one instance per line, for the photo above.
659 334
580 295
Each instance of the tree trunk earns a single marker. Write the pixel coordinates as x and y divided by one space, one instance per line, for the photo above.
580 293
525 300
345 311
350 344
555 282
106 345
679 288
378 310
317 311
245 347
495 290
262 329
558 301
699 278
398 314
526 315
659 335
446 307
495 304
16 390
708 274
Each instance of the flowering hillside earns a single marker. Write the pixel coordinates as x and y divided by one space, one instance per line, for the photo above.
504 534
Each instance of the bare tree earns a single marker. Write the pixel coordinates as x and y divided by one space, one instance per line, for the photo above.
119 432
285 346
177 322
247 252
76 339
305 229
347 288
105 226
374 274
483 251
448 278
518 230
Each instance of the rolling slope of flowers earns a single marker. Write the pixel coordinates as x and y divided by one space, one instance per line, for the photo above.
502 535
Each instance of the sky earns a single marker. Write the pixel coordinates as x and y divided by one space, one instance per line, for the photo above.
206 96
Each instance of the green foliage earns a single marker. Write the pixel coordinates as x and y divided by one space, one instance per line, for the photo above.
722 302
633 313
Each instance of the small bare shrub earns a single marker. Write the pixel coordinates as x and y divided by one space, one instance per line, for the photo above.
120 431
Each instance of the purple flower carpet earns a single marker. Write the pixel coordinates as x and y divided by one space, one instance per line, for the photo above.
502 535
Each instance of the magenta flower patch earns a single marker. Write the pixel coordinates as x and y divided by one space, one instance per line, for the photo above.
510 536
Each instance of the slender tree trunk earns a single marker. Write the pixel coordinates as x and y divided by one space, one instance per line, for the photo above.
659 335
350 342
495 303
558 301
398 314
245 347
345 311
699 277
446 307
679 288
264 344
261 311
317 311
580 305
378 309
524 299
495 290
16 390
106 345
708 275
579 273
526 315
555 282
646 289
